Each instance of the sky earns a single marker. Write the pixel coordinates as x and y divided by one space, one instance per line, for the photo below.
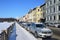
17 8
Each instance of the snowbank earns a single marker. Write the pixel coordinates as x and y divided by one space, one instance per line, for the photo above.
4 25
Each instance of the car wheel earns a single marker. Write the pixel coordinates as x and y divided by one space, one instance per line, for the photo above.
58 26
36 35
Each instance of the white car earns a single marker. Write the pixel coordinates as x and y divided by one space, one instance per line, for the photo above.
40 30
57 25
27 26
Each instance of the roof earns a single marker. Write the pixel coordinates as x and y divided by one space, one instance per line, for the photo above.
4 25
43 5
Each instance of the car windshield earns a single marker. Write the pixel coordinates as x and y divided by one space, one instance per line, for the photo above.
28 24
40 25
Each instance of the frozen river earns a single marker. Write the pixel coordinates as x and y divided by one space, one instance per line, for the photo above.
13 34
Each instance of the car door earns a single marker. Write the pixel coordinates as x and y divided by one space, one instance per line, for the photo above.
33 28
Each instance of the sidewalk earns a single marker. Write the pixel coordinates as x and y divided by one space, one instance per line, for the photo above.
22 34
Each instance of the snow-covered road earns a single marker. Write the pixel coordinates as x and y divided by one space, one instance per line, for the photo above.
22 34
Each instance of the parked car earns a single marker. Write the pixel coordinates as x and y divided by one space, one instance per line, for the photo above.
27 26
31 27
57 25
50 25
24 24
40 30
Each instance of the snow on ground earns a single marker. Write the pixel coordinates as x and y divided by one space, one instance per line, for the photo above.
4 25
22 34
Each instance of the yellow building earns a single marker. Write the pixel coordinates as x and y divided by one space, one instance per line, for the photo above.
31 17
37 14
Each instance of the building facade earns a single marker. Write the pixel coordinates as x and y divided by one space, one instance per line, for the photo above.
31 16
52 11
39 14
35 15
30 19
43 9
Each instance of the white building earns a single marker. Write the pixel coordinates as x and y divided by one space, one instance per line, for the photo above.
52 11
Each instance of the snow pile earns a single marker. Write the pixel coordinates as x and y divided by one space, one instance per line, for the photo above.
4 25
22 34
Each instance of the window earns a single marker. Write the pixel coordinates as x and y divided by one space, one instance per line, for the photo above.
54 17
54 1
47 3
47 11
50 10
59 17
28 24
50 2
54 9
38 9
50 18
43 8
59 8
40 25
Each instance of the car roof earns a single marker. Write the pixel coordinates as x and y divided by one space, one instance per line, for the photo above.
39 23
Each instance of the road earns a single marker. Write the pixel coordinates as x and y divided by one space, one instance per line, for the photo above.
56 34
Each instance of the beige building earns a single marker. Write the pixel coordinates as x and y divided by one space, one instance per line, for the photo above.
39 14
20 19
35 15
30 16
